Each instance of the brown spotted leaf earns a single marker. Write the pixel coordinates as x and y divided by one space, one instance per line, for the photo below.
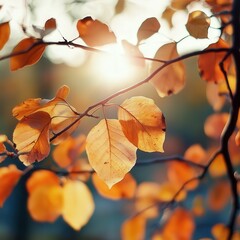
143 123
109 152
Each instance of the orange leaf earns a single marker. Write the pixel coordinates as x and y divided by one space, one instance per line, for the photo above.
94 32
218 167
198 206
109 152
50 24
123 189
78 204
4 34
214 124
31 137
237 138
196 154
67 152
220 231
31 50
209 63
3 149
148 28
143 123
171 79
62 114
134 228
219 195
41 178
198 24
180 225
9 176
45 202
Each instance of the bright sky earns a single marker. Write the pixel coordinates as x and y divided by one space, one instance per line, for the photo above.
124 25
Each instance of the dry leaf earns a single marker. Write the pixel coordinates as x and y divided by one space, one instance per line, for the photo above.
31 137
109 152
148 28
198 24
208 63
95 33
78 204
124 189
4 33
31 50
9 176
143 123
171 79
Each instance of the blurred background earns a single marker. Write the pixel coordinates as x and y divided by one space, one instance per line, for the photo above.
93 77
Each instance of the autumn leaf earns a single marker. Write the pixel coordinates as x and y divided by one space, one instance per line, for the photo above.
95 33
136 57
31 137
50 26
3 150
78 204
67 151
27 52
9 176
214 124
180 225
198 24
45 202
134 228
218 167
148 28
143 123
124 189
109 152
171 79
180 4
168 15
4 33
198 206
62 114
41 178
209 63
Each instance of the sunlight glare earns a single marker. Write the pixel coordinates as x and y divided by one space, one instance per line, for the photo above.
113 67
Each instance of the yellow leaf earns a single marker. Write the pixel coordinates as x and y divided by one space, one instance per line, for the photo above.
45 202
148 28
220 231
32 50
109 152
218 167
143 123
171 79
134 228
198 24
31 137
94 32
78 204
9 177
4 34
124 189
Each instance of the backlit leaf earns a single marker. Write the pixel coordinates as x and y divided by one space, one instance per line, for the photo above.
109 152
94 32
78 204
220 231
31 50
124 189
180 225
148 28
219 195
196 154
9 176
171 79
31 137
45 202
198 24
214 124
143 123
4 33
218 167
209 63
41 178
134 228
67 152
